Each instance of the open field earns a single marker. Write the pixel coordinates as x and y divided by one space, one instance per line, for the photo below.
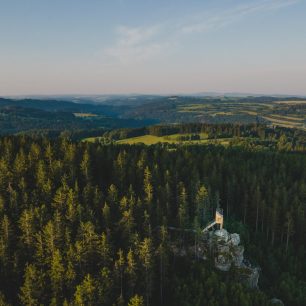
92 139
85 115
172 139
146 139
151 139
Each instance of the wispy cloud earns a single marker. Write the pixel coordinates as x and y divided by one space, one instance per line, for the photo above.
142 43
137 44
222 19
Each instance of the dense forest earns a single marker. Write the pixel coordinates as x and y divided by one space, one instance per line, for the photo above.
87 223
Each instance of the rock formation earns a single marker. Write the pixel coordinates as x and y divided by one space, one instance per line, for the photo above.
224 249
228 253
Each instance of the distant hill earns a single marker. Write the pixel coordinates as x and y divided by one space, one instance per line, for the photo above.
66 106
274 111
108 112
28 115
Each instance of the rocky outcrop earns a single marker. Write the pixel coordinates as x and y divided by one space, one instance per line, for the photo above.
228 253
224 249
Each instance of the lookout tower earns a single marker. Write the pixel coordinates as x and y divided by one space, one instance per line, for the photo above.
218 220
219 217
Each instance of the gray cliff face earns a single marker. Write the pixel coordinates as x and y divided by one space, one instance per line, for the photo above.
228 253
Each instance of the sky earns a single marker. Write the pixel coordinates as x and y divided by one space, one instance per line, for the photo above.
54 47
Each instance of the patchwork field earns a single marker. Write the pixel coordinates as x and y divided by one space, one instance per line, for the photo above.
280 113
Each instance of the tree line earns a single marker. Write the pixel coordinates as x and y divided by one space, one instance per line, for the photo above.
278 138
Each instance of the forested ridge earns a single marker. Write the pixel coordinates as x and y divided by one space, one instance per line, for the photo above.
87 224
84 115
51 117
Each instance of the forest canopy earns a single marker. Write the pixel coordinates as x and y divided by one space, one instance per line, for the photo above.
87 224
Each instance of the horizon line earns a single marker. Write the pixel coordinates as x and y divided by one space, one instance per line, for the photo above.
169 94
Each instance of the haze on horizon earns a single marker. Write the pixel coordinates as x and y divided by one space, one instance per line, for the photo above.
152 46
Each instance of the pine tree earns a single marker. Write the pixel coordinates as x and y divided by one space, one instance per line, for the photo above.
127 224
70 272
85 293
119 267
31 290
104 250
183 210
105 287
49 240
106 215
5 239
148 188
131 271
163 259
146 259
57 275
89 243
85 165
136 300
27 228
3 300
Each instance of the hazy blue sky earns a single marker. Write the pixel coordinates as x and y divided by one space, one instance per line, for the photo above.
152 46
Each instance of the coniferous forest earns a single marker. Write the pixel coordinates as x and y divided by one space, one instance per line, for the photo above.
152 153
88 224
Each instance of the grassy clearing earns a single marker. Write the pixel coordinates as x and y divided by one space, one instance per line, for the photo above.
172 139
151 139
146 139
84 115
92 139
